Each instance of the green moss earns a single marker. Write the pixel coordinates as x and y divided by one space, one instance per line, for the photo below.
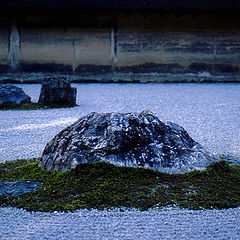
32 106
11 165
103 185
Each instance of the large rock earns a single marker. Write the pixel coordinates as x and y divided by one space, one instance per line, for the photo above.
125 139
10 94
57 90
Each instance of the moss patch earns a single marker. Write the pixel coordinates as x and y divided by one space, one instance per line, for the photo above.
32 106
103 185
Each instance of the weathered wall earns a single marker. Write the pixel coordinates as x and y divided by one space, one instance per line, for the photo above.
182 49
4 43
64 49
183 43
136 41
4 61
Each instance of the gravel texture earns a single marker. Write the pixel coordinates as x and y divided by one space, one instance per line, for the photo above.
210 113
153 224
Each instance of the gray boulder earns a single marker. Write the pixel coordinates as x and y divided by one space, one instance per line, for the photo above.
125 139
10 94
57 90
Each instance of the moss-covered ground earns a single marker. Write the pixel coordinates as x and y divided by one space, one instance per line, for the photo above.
103 185
32 106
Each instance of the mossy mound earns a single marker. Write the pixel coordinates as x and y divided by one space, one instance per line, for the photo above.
103 185
32 106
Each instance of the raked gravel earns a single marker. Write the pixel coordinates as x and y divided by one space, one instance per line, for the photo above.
209 112
172 223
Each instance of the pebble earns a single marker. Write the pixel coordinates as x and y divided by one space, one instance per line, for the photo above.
17 188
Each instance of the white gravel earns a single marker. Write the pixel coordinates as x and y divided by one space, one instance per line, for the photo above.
209 112
16 224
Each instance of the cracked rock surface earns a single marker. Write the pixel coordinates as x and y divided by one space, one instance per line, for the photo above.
125 139
57 90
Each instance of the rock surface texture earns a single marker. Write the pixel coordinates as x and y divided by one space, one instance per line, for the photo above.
10 94
125 139
57 90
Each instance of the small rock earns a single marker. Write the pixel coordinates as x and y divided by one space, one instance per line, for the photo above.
17 188
10 94
57 90
125 139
